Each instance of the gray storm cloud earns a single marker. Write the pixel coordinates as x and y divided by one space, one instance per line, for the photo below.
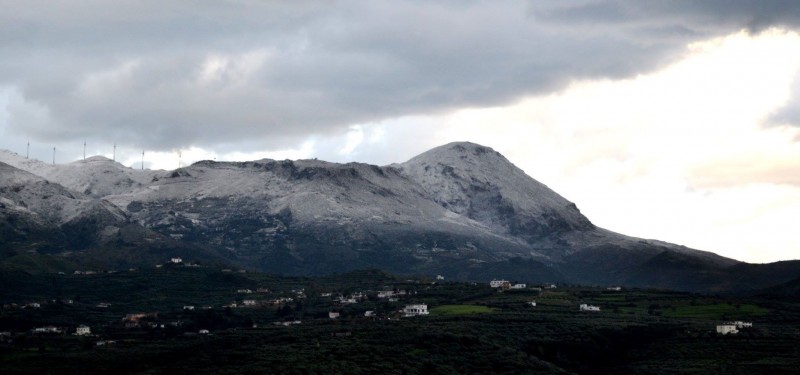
222 72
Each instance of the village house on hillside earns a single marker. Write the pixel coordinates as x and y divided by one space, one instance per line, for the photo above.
502 284
586 307
727 329
47 329
415 310
391 293
83 330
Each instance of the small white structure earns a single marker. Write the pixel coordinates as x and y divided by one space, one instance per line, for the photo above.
333 315
249 302
188 308
48 329
415 310
519 286
585 307
740 324
244 291
203 331
325 294
550 286
369 314
390 293
727 328
439 277
533 303
176 260
505 284
614 288
83 330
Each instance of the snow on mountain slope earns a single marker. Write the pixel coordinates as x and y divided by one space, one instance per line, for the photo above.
460 208
477 182
97 176
25 192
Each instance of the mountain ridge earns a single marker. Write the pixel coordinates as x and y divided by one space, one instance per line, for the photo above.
460 209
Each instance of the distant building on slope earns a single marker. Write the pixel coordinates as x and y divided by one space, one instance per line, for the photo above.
503 284
740 324
727 328
415 310
585 307
83 330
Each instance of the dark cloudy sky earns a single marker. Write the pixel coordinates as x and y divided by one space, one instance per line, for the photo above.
653 116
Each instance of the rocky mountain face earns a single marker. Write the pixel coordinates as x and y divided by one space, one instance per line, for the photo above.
461 210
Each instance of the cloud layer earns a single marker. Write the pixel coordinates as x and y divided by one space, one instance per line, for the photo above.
221 74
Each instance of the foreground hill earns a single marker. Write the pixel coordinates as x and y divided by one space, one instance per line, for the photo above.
461 210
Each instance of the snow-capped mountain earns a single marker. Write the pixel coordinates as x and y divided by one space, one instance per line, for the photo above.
461 210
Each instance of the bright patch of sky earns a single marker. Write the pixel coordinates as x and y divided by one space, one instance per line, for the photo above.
683 154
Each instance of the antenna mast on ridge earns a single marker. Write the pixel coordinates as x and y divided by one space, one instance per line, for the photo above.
28 152
179 159
84 150
115 153
54 155
142 159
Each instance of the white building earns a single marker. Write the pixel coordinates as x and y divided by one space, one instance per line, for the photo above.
203 331
333 315
519 286
533 303
439 277
48 329
390 293
727 328
740 324
585 307
500 284
249 302
415 310
369 314
83 330
176 260
188 308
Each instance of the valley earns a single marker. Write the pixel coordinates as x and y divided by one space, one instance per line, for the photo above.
189 320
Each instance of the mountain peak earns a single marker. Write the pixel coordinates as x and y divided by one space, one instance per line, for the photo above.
456 153
478 182
97 159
